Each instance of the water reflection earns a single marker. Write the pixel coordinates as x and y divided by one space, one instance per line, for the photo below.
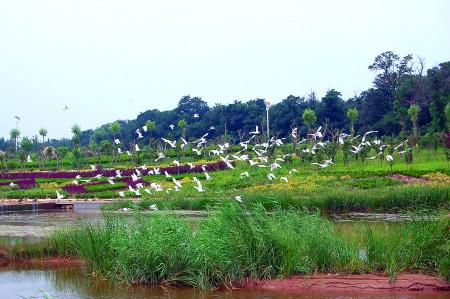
71 283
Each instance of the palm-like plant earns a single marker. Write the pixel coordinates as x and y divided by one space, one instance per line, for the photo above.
352 115
15 134
43 132
115 129
151 125
413 112
309 117
3 159
182 125
76 132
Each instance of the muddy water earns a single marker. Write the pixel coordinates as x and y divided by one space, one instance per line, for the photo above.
71 283
74 283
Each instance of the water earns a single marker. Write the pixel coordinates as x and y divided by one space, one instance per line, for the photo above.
71 283
74 283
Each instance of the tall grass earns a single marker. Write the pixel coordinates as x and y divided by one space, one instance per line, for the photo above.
235 243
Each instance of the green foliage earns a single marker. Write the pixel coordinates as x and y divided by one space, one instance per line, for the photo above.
309 117
234 243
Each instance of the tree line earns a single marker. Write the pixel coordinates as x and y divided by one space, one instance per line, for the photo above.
404 99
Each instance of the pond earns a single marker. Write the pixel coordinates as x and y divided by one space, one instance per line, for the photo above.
73 282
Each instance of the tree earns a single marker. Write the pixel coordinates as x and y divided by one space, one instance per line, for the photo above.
76 132
188 106
352 115
182 125
43 132
4 160
115 129
151 125
447 115
413 113
331 109
15 134
25 148
309 117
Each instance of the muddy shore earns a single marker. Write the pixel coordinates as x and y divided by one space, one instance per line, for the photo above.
367 283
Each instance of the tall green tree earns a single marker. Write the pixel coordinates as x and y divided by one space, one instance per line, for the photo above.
43 132
76 137
309 118
115 129
413 112
447 115
14 134
352 115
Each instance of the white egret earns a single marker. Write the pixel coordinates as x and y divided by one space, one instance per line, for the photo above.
172 144
59 196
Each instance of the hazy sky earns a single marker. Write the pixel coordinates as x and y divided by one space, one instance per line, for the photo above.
110 60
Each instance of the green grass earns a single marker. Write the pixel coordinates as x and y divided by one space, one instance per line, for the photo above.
358 186
235 243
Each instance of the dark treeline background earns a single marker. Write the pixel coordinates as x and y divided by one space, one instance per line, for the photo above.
398 83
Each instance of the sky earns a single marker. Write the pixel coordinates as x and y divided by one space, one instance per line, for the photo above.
110 60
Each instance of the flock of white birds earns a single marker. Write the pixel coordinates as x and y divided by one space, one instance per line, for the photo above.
259 158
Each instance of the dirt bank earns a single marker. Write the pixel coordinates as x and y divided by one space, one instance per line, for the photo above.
6 260
353 283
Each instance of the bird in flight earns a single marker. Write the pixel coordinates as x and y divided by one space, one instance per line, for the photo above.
66 108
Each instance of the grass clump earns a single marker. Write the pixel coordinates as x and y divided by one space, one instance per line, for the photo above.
235 243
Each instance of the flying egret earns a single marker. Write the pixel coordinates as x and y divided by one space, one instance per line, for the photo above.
59 196
196 115
238 198
116 141
271 176
172 126
176 182
255 132
208 177
172 144
199 187
160 156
